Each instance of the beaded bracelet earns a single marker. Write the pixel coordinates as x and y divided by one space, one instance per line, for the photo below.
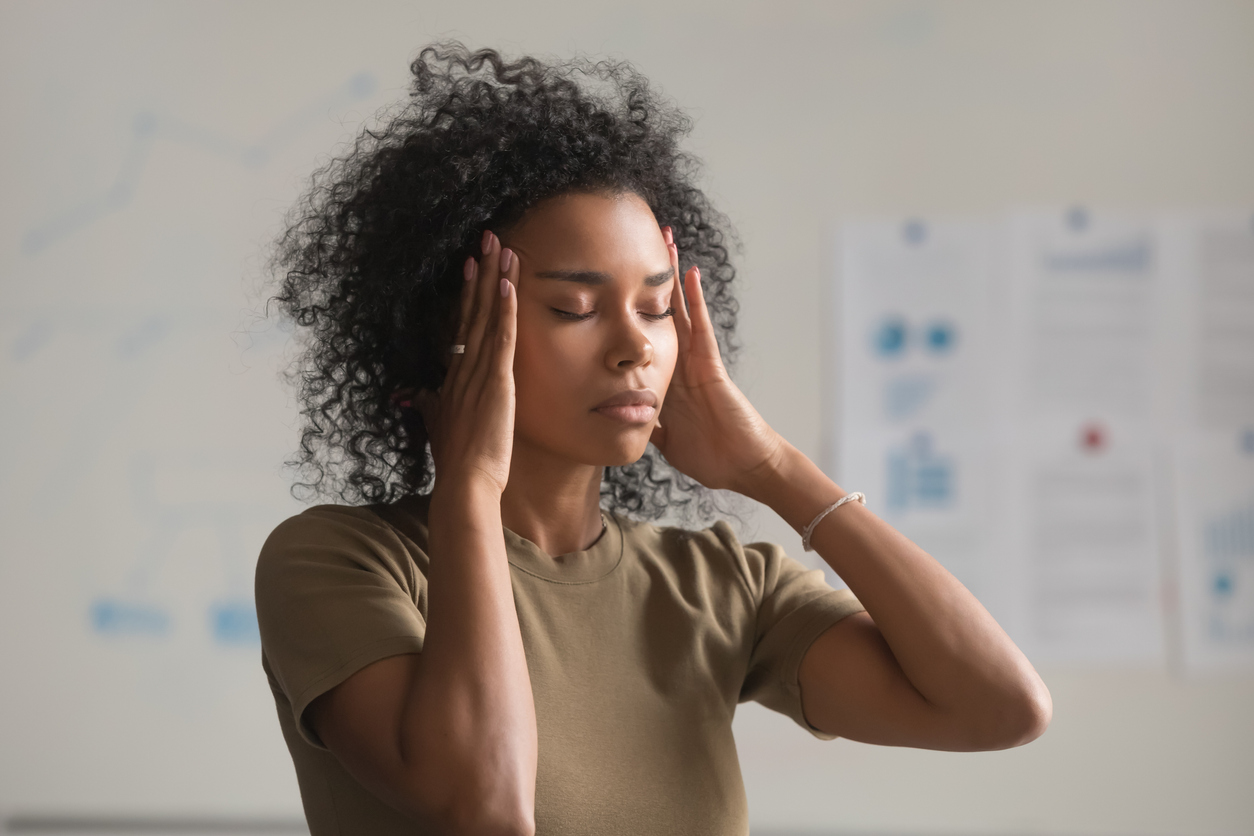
809 529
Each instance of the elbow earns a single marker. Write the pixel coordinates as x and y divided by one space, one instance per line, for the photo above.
1019 718
1029 722
477 814
488 795
1043 713
478 819
1035 711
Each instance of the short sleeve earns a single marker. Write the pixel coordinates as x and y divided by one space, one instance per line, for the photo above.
336 591
795 605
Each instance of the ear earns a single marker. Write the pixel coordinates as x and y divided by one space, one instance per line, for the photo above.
403 397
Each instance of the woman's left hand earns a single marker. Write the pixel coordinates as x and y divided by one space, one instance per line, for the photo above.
707 428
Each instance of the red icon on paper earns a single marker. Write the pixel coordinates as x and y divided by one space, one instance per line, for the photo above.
1093 438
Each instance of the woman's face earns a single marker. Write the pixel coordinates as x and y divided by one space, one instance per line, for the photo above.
594 326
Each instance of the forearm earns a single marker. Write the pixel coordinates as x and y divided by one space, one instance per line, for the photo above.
469 727
952 651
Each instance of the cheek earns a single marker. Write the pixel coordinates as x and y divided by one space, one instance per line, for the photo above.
665 354
548 366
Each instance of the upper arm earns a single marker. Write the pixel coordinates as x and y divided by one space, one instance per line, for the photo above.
360 722
853 687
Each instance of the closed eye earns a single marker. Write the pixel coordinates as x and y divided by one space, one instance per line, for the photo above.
572 316
579 317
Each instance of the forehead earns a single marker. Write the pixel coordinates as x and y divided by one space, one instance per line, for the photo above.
587 230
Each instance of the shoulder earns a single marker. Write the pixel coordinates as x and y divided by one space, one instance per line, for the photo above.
326 527
349 524
324 538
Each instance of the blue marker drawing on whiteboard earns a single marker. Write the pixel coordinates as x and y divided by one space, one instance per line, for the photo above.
214 517
120 617
234 622
147 128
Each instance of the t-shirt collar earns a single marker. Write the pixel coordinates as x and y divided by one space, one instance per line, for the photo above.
591 564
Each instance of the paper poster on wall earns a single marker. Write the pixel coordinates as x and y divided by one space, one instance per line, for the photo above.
1213 435
915 429
1083 399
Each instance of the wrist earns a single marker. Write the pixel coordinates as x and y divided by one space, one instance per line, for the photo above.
796 488
460 497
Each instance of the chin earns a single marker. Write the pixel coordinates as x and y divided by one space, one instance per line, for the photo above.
627 448
591 444
630 456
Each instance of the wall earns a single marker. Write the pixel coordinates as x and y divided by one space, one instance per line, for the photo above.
149 152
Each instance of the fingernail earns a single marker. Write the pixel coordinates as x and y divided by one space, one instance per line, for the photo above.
506 256
487 240
468 271
504 288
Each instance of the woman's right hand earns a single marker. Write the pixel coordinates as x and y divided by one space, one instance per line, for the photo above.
448 735
470 419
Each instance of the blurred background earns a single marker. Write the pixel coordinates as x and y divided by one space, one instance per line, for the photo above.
997 271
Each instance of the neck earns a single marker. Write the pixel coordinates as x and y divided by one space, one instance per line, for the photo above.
553 503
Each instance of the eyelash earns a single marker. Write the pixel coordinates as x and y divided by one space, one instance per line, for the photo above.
574 317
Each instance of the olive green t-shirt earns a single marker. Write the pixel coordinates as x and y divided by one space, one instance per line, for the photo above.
639 649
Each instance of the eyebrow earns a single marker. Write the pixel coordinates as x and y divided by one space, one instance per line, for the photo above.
596 277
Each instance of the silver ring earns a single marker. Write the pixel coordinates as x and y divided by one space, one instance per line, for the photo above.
458 349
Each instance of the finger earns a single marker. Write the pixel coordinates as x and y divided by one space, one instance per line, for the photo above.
507 330
469 271
506 290
702 335
677 291
683 324
485 304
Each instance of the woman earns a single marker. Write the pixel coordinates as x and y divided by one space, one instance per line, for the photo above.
474 644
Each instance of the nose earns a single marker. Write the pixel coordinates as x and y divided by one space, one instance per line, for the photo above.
629 347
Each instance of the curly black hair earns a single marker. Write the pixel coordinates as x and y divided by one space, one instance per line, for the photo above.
371 255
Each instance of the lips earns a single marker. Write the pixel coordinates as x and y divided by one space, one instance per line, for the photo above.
633 406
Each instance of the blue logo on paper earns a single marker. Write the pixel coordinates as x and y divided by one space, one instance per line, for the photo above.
939 337
890 337
894 335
